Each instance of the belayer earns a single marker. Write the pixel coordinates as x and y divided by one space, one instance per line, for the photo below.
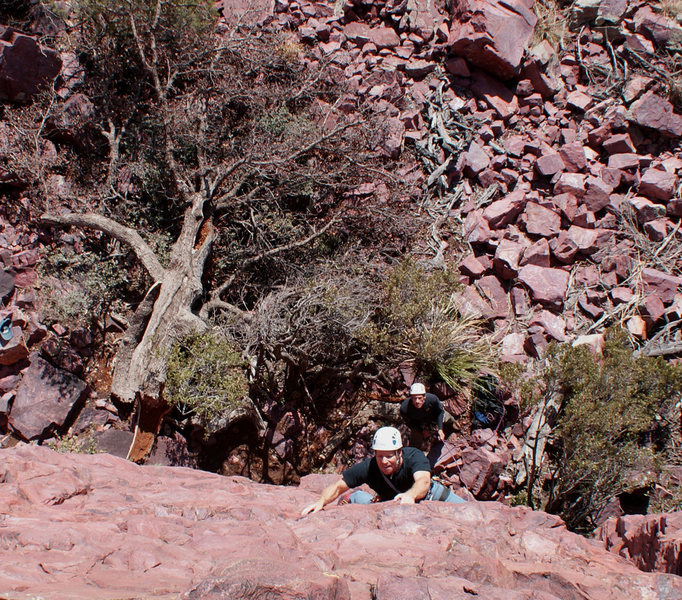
425 416
394 473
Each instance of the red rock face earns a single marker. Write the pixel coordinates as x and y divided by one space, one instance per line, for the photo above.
564 164
652 542
163 532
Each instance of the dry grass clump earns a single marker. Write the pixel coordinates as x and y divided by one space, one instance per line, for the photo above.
671 9
552 23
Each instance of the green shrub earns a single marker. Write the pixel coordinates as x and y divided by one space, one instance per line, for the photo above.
75 444
613 428
205 375
76 287
112 18
419 321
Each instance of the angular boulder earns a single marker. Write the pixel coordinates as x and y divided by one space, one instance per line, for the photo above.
646 210
474 160
573 157
656 184
480 471
361 34
492 34
547 285
74 123
503 212
537 254
570 183
495 94
540 220
472 267
554 325
656 26
663 284
25 65
542 69
6 285
620 143
656 113
48 398
652 542
394 134
512 344
248 13
13 350
476 228
549 164
493 291
611 11
507 257
423 18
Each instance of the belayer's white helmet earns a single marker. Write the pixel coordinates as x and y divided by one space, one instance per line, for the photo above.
387 438
417 388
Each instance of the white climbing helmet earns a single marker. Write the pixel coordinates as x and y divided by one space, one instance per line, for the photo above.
417 388
387 438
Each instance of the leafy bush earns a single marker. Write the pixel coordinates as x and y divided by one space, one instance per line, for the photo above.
419 321
114 19
72 444
76 287
613 427
205 375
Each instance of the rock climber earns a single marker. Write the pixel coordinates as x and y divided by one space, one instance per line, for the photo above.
424 414
393 473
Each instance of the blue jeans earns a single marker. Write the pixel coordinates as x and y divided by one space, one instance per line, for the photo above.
437 491
360 497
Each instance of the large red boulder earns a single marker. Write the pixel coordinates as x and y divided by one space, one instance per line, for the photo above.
656 113
47 399
492 34
99 527
504 211
248 13
657 184
547 285
25 65
656 26
13 350
652 542
480 471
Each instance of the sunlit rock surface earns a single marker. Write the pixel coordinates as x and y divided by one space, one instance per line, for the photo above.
96 526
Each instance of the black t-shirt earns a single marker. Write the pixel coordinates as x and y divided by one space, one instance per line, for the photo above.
429 415
368 472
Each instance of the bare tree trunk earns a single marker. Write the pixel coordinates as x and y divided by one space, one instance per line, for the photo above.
528 459
163 317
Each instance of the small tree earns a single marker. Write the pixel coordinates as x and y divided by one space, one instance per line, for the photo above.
223 144
418 321
205 376
615 419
